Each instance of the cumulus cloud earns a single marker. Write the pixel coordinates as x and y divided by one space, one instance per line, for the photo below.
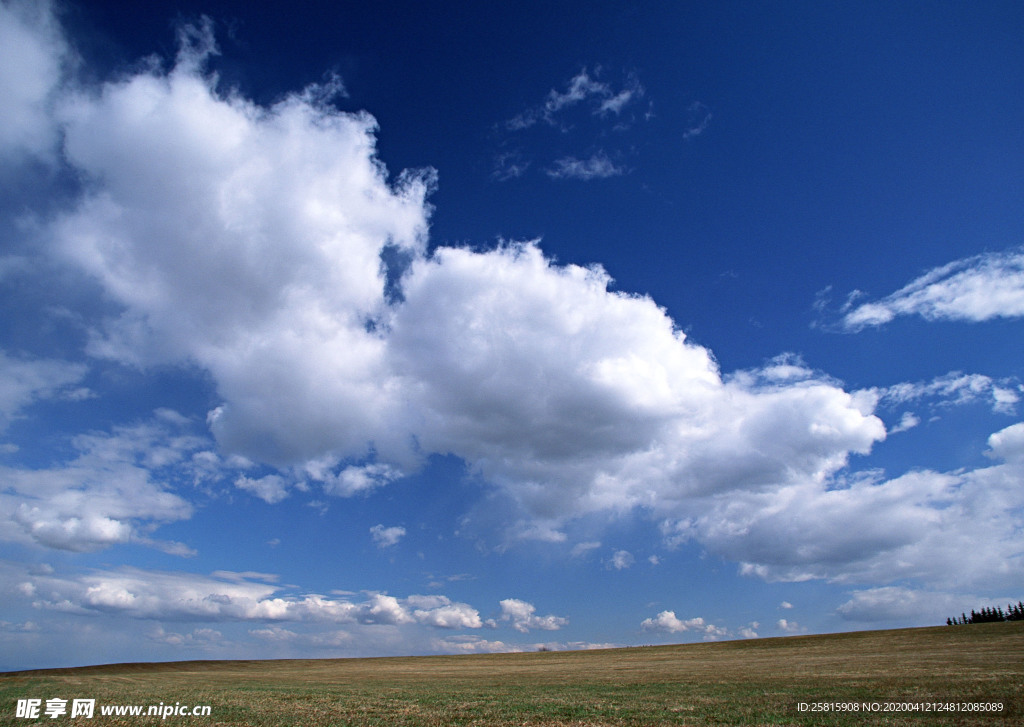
521 616
975 289
250 240
577 399
246 240
387 537
253 243
667 622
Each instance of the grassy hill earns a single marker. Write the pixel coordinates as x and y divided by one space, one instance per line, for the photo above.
759 682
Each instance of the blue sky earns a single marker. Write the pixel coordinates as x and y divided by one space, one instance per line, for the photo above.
394 329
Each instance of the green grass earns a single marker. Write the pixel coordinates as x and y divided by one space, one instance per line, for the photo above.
756 682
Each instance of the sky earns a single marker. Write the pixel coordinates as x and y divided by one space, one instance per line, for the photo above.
338 329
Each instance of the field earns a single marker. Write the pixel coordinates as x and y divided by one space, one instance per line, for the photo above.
759 682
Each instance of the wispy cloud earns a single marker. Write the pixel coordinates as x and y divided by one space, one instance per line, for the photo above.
24 381
585 115
955 389
600 98
697 121
598 166
974 289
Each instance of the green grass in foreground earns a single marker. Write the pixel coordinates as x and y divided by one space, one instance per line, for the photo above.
756 682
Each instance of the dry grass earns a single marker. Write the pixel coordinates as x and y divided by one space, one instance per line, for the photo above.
747 682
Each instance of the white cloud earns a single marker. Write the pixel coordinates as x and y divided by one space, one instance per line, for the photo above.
249 241
789 627
33 57
786 605
954 389
352 480
589 114
750 632
117 489
977 288
24 381
440 612
908 421
699 118
601 98
597 166
270 488
521 615
1008 444
666 622
576 399
472 644
581 549
227 597
387 537
621 560
928 526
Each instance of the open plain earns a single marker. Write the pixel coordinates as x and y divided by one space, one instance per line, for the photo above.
925 676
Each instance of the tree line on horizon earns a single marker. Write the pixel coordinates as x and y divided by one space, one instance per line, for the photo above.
989 615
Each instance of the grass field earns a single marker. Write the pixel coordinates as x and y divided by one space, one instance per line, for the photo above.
759 682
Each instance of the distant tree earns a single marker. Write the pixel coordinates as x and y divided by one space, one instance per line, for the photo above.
989 614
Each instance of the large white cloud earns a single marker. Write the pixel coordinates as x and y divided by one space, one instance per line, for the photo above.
251 241
973 289
577 399
247 240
